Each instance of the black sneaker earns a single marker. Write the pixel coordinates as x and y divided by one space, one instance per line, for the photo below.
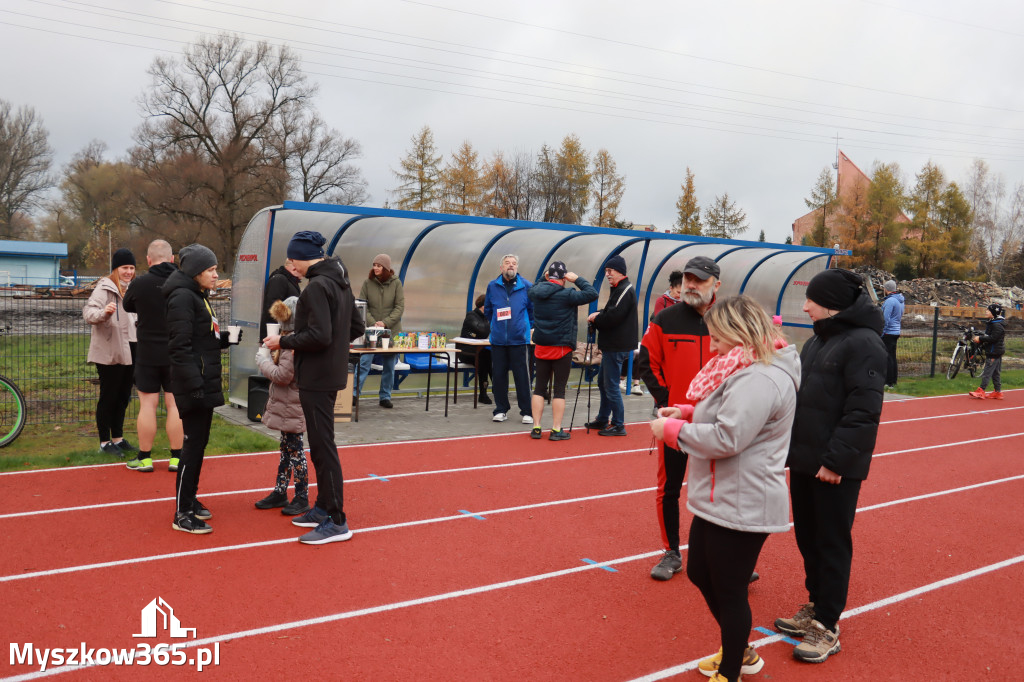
200 511
613 431
561 434
484 399
124 446
299 505
536 433
596 425
274 499
386 403
188 523
112 450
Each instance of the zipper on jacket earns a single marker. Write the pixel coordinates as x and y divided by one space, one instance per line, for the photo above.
712 480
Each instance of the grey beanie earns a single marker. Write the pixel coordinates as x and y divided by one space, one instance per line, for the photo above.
890 286
195 258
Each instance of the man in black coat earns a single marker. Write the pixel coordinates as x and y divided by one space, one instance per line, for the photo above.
326 322
838 409
282 284
152 364
617 337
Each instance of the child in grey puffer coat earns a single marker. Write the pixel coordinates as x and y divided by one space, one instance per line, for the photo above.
284 413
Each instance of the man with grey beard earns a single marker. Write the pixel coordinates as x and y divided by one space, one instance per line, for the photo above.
674 349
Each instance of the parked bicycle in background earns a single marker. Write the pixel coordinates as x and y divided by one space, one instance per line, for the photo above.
13 410
966 354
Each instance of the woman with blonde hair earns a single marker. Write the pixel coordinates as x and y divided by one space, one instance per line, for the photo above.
737 437
112 350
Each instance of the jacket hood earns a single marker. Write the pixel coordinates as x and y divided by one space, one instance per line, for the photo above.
546 289
788 360
897 296
179 280
282 270
163 269
331 268
863 313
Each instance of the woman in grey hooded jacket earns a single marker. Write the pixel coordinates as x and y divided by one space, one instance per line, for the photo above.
737 437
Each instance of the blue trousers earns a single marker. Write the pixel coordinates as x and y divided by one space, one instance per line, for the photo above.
612 408
387 375
516 358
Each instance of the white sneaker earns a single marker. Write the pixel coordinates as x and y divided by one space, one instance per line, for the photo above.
636 388
527 419
500 417
622 385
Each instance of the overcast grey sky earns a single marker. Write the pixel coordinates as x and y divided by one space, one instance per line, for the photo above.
749 94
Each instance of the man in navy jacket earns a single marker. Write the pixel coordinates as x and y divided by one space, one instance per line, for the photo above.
507 305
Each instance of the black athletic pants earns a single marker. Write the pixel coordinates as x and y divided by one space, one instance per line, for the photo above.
196 426
671 470
318 409
823 523
115 394
892 367
719 562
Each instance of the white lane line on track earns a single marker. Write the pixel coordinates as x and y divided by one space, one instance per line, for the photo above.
439 519
881 603
375 478
494 435
482 589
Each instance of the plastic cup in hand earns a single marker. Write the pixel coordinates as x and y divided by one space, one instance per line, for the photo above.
233 331
273 329
385 342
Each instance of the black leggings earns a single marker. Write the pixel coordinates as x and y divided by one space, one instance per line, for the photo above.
719 562
196 425
559 368
115 394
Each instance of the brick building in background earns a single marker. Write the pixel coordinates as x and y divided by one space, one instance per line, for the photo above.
850 182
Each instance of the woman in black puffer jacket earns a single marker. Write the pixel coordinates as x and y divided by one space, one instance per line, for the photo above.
194 345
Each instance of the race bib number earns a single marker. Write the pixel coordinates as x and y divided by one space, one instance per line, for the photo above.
504 313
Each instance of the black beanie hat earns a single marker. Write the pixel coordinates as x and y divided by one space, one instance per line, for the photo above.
835 289
195 258
121 257
617 263
306 245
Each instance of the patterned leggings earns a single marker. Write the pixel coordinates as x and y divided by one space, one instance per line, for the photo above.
293 459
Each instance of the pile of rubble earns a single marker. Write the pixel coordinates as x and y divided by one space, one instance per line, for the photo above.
945 292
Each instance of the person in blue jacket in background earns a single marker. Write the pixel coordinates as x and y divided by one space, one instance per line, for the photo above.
507 305
892 312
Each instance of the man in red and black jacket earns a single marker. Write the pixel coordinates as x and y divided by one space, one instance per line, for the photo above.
674 349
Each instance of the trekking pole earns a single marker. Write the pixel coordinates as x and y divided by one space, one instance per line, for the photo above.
590 381
579 386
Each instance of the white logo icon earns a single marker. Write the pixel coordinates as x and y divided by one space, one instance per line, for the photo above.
170 622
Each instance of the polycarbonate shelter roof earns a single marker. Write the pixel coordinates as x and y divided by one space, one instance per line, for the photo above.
444 261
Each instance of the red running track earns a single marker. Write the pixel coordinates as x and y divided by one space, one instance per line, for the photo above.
473 559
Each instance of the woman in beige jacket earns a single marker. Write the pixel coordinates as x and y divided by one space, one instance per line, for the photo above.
112 350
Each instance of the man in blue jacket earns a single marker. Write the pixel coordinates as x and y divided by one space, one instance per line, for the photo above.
507 305
892 312
555 332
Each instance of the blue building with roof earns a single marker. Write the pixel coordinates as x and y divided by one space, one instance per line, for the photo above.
32 263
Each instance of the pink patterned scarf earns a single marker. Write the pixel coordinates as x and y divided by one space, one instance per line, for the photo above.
718 369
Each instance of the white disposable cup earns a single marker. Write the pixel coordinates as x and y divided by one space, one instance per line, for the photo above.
385 342
273 329
233 331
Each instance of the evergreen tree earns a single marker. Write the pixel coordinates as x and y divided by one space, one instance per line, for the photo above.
724 220
687 210
824 199
420 176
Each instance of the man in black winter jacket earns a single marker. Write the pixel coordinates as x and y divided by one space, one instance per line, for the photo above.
283 283
326 322
838 408
146 299
617 337
995 347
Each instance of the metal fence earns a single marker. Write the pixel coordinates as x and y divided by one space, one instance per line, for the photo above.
43 348
45 342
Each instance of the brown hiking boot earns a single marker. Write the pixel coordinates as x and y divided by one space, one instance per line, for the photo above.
819 643
797 625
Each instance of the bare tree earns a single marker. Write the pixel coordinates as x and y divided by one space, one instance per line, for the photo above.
607 190
25 157
724 220
206 148
319 159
